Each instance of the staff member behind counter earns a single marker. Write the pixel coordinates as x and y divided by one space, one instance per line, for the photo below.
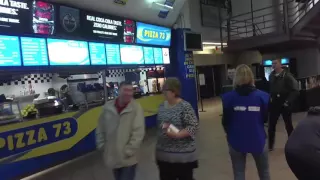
283 89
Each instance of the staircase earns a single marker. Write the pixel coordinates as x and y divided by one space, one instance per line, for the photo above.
283 27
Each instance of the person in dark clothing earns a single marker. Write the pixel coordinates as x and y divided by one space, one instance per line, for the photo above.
302 149
263 84
283 90
244 111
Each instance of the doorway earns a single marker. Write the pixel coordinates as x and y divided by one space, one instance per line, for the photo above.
205 81
210 80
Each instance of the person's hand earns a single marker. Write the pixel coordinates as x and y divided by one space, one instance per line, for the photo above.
165 125
173 135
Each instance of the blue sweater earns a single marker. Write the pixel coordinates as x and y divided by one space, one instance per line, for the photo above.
244 112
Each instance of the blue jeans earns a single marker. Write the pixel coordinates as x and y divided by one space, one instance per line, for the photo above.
125 173
239 164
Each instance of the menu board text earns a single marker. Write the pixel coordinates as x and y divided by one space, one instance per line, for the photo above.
101 24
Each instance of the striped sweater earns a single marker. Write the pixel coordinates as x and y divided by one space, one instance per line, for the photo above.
172 150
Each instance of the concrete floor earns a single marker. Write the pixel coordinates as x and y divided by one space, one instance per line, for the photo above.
213 155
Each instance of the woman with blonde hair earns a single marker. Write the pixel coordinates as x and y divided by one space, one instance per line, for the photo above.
244 112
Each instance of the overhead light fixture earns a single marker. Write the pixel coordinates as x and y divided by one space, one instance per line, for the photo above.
163 5
213 43
209 47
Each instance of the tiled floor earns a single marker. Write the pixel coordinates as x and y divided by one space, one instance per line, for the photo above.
213 155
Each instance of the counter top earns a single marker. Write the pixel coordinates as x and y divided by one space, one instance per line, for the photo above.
149 104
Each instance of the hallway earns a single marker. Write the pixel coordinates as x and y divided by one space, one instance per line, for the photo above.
213 155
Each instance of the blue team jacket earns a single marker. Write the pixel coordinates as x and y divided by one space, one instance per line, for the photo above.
244 111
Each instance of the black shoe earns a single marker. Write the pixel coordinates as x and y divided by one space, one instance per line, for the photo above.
271 149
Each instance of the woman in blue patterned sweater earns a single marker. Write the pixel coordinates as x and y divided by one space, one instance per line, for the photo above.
176 150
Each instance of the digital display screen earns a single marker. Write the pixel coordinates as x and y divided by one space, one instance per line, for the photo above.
34 51
148 55
43 21
113 54
284 61
131 54
15 16
166 55
267 62
97 54
68 52
129 31
69 21
157 53
153 35
9 51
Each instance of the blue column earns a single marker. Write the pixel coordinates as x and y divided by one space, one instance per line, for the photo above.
182 67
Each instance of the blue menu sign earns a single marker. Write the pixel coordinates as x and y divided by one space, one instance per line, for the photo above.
97 54
157 53
153 35
148 55
68 52
113 54
34 51
10 51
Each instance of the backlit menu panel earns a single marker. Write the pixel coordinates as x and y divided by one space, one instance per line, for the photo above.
113 54
165 55
34 51
148 55
9 51
68 52
131 54
157 53
97 54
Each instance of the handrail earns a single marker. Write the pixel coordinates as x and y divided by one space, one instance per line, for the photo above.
256 17
277 5
247 24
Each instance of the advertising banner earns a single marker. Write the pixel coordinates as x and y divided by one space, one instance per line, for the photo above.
153 35
20 16
69 21
98 26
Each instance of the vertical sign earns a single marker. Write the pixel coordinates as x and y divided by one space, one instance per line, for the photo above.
189 65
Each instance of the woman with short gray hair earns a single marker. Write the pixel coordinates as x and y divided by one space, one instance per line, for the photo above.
176 143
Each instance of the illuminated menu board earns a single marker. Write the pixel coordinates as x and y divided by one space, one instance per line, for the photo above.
34 51
131 54
166 55
9 51
97 54
148 55
157 53
113 54
68 52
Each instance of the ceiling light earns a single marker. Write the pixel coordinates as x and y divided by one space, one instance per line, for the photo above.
213 43
163 5
209 47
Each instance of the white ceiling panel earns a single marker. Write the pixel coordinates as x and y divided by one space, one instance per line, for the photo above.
140 10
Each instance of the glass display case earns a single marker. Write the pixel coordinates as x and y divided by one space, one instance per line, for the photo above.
10 112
